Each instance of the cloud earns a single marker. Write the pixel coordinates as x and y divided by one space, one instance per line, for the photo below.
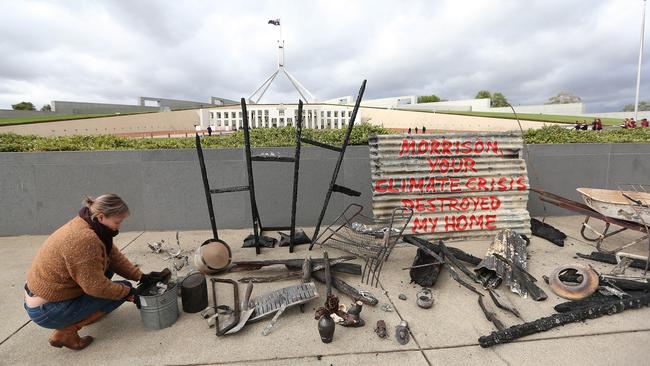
115 51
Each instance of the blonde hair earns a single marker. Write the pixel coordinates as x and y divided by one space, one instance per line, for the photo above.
108 204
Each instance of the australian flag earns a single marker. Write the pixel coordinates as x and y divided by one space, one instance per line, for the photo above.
274 21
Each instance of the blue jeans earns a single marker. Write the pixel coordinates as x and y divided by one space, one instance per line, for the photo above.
60 314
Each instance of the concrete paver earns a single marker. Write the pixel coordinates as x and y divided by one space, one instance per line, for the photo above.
16 254
601 349
447 333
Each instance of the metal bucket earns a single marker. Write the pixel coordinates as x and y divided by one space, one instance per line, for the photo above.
212 256
160 311
194 293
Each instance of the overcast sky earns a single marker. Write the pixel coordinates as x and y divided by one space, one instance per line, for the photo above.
115 51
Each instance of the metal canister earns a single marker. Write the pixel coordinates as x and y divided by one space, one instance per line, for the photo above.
160 311
194 293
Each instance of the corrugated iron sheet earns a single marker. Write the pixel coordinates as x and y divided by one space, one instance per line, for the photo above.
461 186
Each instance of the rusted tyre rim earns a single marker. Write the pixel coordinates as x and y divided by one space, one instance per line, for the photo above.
575 291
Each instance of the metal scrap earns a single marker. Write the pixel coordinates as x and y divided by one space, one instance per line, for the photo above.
492 271
156 246
271 302
381 330
548 232
402 333
586 281
608 307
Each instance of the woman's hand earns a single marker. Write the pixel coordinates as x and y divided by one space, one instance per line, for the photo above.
155 277
133 297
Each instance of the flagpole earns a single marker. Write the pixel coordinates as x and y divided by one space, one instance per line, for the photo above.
638 72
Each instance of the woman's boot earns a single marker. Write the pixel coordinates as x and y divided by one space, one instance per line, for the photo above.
69 336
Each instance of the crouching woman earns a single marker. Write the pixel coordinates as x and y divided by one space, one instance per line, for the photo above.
69 282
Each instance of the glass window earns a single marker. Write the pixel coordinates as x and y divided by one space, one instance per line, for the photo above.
329 113
322 114
211 115
336 113
233 115
239 114
218 114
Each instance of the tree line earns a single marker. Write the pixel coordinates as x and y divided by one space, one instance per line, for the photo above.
29 106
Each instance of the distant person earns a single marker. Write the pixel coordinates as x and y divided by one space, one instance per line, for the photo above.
599 125
209 130
424 129
624 124
577 126
644 123
416 130
631 123
409 132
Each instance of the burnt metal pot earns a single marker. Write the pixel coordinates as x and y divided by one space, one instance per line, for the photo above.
213 256
194 292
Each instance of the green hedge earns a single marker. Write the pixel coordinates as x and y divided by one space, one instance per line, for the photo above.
562 135
280 137
267 137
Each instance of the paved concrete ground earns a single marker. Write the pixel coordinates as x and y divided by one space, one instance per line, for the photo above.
445 334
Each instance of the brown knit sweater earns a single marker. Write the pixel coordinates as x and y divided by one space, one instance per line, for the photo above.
72 261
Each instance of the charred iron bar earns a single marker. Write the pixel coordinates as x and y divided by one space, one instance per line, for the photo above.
230 189
458 254
345 288
253 265
320 144
526 280
556 320
337 168
490 315
277 159
206 186
345 190
611 259
349 268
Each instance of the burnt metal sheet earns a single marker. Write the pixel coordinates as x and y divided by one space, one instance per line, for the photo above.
461 186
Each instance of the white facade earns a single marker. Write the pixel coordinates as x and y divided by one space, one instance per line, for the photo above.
392 102
568 109
317 116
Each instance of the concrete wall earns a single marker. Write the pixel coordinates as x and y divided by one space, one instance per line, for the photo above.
569 109
41 191
127 124
404 119
175 103
453 105
10 113
64 107
561 169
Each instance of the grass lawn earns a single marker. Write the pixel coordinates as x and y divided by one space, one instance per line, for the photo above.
60 117
538 117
